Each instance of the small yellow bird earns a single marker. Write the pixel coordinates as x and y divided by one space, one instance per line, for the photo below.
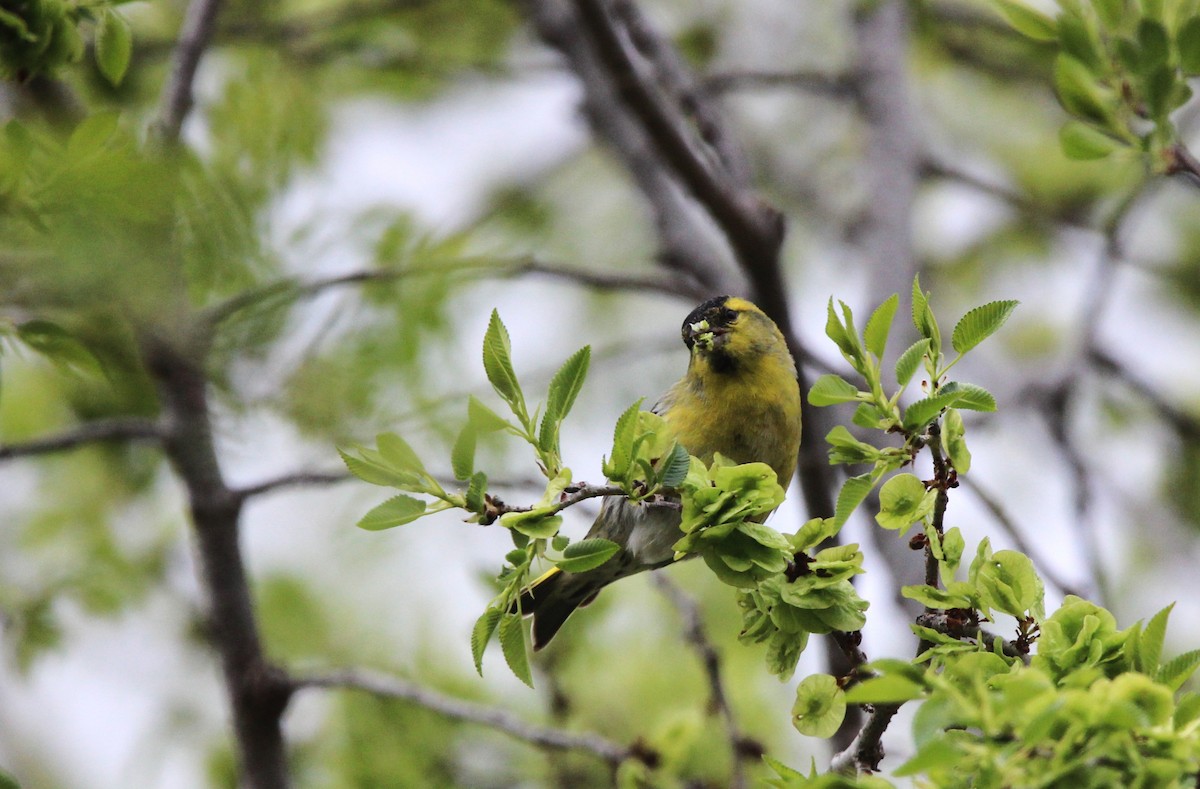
740 398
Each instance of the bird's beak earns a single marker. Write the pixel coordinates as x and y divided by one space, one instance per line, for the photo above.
701 335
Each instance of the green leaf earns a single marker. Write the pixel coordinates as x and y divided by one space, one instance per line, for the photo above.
885 689
910 360
59 346
1177 671
396 451
932 597
114 46
587 555
854 491
875 333
462 455
1080 39
980 323
1150 649
1083 142
1027 21
484 419
497 363
955 442
837 332
820 706
93 133
564 388
617 465
481 634
831 389
370 467
923 318
675 468
1154 43
969 396
536 523
903 500
937 753
1158 88
513 645
922 412
1078 91
1188 42
396 511
476 489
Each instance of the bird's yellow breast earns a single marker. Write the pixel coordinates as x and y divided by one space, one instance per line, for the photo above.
748 414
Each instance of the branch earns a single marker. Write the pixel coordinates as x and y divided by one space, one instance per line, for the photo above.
835 86
117 429
258 692
292 480
177 98
1009 527
295 289
865 751
572 495
943 622
502 720
1182 162
1183 423
743 748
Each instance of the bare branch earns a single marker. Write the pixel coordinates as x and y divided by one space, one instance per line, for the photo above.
117 429
865 751
288 290
176 100
835 86
293 480
1183 162
1010 527
501 720
1183 423
742 747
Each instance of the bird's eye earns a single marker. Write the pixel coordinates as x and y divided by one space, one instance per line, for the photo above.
727 317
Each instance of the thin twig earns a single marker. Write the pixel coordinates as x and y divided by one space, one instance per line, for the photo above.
1183 423
743 749
501 720
1183 162
1009 527
295 289
838 86
292 480
177 95
117 429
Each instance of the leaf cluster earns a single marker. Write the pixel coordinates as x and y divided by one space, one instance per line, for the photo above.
1121 71
41 36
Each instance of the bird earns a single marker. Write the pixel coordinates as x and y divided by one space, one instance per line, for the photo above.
740 397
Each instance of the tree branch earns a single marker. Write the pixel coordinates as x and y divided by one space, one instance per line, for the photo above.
499 719
293 480
743 749
116 429
258 692
177 98
834 86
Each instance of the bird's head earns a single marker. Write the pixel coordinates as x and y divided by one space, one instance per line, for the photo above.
730 333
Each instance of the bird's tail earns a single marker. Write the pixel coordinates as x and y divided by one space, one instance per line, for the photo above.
553 597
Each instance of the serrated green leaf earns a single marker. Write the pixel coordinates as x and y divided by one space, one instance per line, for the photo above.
497 364
910 361
875 333
922 412
475 492
820 706
1083 142
1188 42
564 388
675 468
831 389
397 452
854 491
1027 21
114 46
396 511
484 419
1153 637
980 323
924 319
587 555
969 396
513 645
835 331
370 467
462 454
1177 671
624 433
481 634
